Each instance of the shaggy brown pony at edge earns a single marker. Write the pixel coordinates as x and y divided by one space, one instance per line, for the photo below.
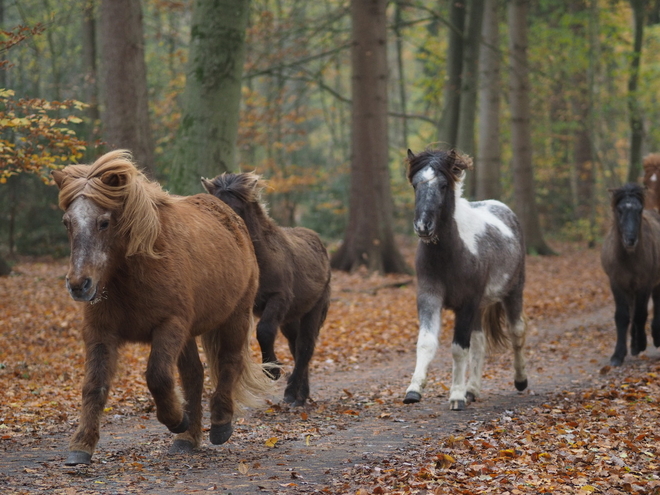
652 181
631 259
160 269
294 279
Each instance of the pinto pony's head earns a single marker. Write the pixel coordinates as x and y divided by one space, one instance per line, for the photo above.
110 210
437 177
239 191
628 206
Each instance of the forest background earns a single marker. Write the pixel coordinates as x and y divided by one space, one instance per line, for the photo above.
588 87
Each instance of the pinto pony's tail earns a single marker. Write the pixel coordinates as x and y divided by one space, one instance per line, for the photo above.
252 383
493 322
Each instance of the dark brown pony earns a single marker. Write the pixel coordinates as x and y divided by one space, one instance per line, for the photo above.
294 279
161 269
652 181
631 259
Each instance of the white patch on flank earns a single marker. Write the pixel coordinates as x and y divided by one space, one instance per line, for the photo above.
654 177
427 345
472 221
495 285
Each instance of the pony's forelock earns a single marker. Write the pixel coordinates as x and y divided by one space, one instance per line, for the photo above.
631 189
113 182
451 164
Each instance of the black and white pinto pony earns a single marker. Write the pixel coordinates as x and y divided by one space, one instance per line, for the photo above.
471 259
630 257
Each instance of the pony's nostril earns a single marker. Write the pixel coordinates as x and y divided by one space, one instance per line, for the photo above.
87 284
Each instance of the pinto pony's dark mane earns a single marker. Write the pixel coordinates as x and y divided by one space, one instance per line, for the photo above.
631 189
450 164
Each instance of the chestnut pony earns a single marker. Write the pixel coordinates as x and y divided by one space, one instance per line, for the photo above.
151 267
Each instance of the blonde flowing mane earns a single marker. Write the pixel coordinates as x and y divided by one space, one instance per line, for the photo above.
113 182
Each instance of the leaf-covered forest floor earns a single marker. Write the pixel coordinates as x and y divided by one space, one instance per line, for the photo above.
581 427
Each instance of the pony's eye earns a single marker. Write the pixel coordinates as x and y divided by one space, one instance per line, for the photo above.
66 223
104 224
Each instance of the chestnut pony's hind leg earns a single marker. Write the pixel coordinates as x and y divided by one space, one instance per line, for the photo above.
192 378
224 351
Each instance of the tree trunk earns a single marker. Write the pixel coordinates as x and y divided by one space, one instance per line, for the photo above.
521 139
369 239
448 126
636 122
469 84
3 71
487 163
124 74
91 77
398 20
208 132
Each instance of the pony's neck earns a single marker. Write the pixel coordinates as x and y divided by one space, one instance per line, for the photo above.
258 223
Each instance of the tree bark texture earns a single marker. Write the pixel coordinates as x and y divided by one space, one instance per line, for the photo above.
521 139
125 115
208 131
636 122
470 78
448 126
469 84
369 238
487 163
91 76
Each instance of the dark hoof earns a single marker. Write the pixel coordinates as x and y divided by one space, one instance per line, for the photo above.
470 397
412 397
181 447
220 433
273 373
78 457
457 405
520 386
183 426
616 361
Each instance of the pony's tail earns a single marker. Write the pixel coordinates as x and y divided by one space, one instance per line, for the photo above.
252 384
493 322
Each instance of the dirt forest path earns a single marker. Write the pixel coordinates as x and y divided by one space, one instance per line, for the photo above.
356 421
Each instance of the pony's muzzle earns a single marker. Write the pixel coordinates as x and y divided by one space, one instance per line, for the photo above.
81 290
630 242
424 229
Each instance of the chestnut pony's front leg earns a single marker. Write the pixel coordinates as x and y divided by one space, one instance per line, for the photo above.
100 366
167 343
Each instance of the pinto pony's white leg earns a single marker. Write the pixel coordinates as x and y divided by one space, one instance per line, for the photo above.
461 357
429 310
477 354
517 333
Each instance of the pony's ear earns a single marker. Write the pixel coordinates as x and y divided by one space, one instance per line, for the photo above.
458 163
208 185
114 179
411 155
58 177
